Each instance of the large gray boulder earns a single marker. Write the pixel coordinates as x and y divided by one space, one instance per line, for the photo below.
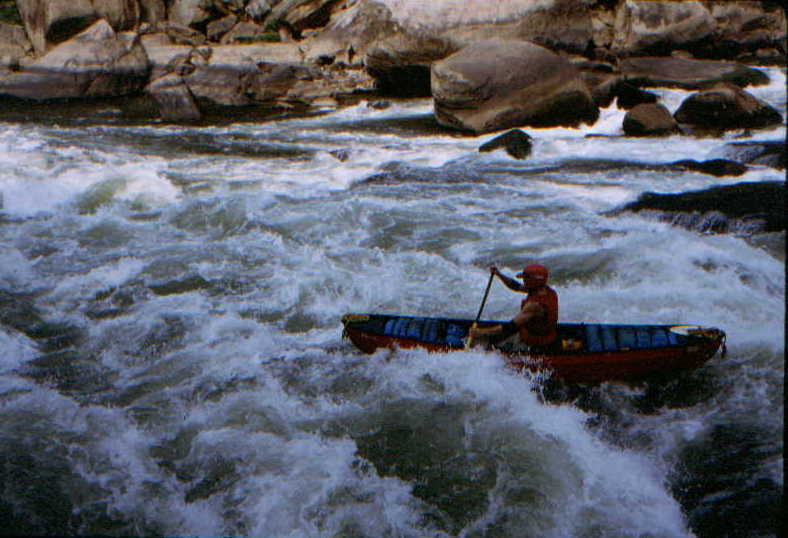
50 22
726 106
96 63
687 73
496 84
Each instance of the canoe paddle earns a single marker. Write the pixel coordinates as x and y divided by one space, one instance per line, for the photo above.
469 342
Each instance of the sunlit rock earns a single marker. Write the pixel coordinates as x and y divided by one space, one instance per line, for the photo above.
495 84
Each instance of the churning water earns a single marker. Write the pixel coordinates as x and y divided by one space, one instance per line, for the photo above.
172 360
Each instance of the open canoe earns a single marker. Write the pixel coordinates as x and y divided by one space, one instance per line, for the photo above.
583 352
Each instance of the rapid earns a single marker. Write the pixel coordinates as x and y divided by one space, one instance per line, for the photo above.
173 364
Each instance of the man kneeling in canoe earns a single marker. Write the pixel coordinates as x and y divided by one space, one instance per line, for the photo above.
536 325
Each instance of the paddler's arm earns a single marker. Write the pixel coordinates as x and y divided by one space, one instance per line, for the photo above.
509 282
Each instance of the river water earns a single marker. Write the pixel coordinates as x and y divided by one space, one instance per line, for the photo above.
172 360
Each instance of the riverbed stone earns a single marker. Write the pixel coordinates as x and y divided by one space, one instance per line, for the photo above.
714 167
496 84
516 143
649 119
726 106
96 63
770 153
687 73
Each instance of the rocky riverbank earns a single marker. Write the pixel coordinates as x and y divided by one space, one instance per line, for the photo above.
185 58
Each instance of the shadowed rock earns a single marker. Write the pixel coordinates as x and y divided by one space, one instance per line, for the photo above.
714 167
516 143
764 201
687 73
726 106
765 153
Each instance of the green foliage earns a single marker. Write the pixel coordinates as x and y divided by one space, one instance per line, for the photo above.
9 13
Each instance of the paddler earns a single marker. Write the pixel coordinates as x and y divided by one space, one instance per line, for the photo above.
536 325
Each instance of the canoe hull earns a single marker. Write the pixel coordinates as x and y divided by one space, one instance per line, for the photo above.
583 353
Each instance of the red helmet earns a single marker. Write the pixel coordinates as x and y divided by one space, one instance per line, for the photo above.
534 276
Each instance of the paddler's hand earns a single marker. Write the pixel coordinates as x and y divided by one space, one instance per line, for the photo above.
494 271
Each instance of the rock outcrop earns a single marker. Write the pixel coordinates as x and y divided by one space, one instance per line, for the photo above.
49 22
493 85
726 106
760 205
96 63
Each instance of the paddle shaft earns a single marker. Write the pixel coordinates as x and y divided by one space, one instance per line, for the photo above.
481 308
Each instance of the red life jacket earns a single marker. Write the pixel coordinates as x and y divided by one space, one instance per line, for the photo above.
543 331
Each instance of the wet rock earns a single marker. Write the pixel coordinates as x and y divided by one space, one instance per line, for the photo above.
714 167
764 202
766 153
492 85
650 119
176 103
726 106
687 73
97 62
629 96
516 143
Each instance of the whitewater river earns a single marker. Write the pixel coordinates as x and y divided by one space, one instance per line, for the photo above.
172 354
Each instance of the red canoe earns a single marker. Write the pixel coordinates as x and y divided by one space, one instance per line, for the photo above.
583 352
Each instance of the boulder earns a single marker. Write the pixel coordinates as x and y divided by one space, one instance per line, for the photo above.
300 15
492 85
726 106
714 167
50 22
246 32
650 119
153 12
189 12
258 9
655 27
394 40
687 73
763 202
628 96
96 63
770 153
753 30
176 103
216 29
14 45
516 143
